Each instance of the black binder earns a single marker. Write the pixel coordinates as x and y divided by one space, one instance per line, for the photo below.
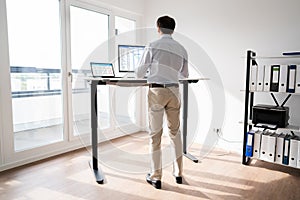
274 82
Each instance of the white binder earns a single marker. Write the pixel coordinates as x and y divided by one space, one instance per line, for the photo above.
267 73
264 146
283 78
260 78
279 148
298 157
253 77
293 152
256 144
271 147
298 79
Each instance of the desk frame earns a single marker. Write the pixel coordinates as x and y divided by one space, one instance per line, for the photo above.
99 176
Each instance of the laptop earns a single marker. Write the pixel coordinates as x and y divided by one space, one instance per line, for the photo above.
106 70
102 70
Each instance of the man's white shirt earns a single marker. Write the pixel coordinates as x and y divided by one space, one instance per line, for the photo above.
166 60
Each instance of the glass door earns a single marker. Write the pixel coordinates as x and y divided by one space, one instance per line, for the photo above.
125 97
36 74
89 32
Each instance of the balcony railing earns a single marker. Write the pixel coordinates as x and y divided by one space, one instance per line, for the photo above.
34 82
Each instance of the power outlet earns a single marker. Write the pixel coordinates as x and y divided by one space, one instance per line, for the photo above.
217 130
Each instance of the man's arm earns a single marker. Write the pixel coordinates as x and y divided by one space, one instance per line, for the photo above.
144 63
184 73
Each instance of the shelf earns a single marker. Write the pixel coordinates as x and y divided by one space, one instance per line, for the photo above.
274 57
289 127
274 163
249 101
243 90
276 92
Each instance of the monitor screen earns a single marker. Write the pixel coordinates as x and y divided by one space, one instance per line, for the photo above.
102 69
129 57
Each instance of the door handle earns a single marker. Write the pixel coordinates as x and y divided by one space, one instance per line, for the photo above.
71 76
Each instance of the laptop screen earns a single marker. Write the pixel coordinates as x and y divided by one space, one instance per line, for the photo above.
102 69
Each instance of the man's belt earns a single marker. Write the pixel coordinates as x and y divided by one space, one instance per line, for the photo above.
156 85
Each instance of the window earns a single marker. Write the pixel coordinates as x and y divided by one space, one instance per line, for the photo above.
124 25
89 36
125 98
35 59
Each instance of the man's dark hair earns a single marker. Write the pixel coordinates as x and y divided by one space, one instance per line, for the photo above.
166 24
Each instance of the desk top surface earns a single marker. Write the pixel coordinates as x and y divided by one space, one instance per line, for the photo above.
140 80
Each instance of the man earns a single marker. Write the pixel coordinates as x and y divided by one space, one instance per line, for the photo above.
166 60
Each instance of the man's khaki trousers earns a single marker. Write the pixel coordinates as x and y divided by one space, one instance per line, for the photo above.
160 101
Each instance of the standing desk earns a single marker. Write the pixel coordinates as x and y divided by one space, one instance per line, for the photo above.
126 82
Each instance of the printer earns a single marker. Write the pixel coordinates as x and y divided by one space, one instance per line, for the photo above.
269 114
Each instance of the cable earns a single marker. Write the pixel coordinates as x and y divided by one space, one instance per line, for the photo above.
224 139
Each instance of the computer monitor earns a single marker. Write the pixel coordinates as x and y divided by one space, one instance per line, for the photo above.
129 57
104 70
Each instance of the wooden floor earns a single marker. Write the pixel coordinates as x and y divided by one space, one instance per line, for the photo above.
218 176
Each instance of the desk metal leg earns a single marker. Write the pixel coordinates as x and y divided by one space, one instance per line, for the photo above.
94 122
184 120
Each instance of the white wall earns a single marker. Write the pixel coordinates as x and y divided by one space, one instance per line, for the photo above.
225 30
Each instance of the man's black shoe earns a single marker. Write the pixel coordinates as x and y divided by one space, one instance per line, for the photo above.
154 183
178 179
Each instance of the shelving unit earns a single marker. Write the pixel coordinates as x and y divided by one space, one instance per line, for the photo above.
249 99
